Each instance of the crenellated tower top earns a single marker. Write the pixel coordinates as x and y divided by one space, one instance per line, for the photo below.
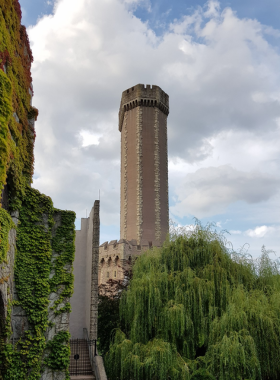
141 95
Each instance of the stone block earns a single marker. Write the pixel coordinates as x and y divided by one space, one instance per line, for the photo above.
65 318
18 311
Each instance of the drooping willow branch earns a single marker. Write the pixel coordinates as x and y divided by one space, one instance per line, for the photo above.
195 305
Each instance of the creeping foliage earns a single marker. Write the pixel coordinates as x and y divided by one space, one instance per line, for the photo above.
34 262
196 310
6 224
17 115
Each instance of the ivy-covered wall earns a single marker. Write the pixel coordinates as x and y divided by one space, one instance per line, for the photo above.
38 337
36 240
16 112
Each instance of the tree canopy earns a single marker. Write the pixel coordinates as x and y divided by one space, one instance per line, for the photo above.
195 310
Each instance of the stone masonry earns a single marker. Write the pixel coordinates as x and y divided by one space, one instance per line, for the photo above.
144 216
144 167
144 219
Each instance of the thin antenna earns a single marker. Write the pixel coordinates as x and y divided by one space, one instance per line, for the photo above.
86 212
99 194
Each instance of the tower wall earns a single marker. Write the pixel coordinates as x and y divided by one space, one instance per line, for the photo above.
144 168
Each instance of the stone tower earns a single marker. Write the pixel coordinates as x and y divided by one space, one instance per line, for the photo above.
144 196
144 165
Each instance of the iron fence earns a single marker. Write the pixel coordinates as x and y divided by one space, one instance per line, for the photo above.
82 353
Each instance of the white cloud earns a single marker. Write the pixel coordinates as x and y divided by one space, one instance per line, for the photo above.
223 80
260 232
89 138
213 9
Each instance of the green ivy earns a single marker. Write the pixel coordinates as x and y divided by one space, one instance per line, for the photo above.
6 224
33 265
59 356
5 115
16 133
41 248
62 243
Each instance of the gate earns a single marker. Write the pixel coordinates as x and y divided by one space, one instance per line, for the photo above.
82 351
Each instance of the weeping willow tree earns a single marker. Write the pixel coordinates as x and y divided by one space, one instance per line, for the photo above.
196 310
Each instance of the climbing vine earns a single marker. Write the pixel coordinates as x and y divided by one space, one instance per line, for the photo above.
6 224
59 355
62 243
195 310
16 112
36 240
45 236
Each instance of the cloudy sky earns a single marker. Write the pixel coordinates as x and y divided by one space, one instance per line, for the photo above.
218 61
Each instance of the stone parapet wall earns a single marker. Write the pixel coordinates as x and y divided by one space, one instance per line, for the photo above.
99 368
116 257
139 95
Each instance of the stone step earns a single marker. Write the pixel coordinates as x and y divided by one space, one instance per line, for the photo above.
83 370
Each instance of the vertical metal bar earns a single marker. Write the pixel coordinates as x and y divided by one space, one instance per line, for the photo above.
77 360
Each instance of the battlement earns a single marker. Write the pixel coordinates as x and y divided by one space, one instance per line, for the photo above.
146 96
117 256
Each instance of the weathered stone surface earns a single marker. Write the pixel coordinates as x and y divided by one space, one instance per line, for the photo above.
53 296
47 374
59 376
50 333
18 311
99 368
19 326
65 318
52 273
15 217
61 327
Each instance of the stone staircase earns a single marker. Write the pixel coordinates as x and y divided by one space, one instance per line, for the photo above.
80 369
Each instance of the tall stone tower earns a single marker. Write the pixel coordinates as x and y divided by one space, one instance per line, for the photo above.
144 165
144 191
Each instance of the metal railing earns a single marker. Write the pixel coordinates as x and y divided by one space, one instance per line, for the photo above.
92 347
82 354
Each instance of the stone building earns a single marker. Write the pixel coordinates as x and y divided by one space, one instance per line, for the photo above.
80 301
144 216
